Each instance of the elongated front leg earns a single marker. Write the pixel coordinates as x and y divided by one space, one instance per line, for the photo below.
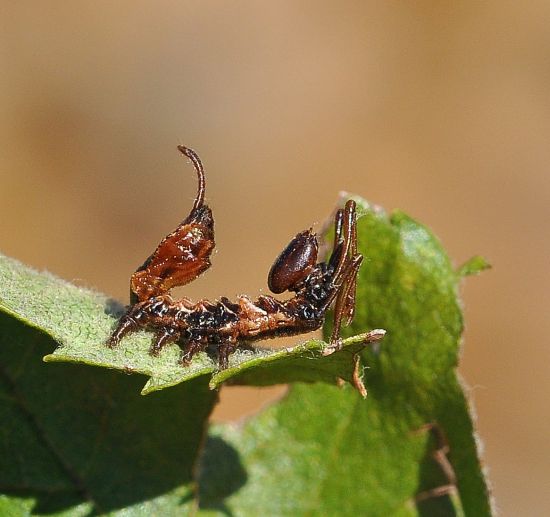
345 261
345 299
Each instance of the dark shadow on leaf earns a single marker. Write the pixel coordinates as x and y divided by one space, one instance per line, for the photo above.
441 506
48 503
89 429
114 308
221 474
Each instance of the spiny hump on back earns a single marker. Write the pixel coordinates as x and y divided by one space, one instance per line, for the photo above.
192 243
294 263
184 253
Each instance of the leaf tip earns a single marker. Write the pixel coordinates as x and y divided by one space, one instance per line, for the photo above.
50 358
374 335
473 266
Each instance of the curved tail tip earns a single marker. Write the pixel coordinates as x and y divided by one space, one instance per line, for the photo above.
185 150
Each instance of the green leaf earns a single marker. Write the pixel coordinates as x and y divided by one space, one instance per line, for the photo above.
312 361
325 450
81 320
80 439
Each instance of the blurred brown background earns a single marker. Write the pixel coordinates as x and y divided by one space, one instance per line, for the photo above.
439 108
